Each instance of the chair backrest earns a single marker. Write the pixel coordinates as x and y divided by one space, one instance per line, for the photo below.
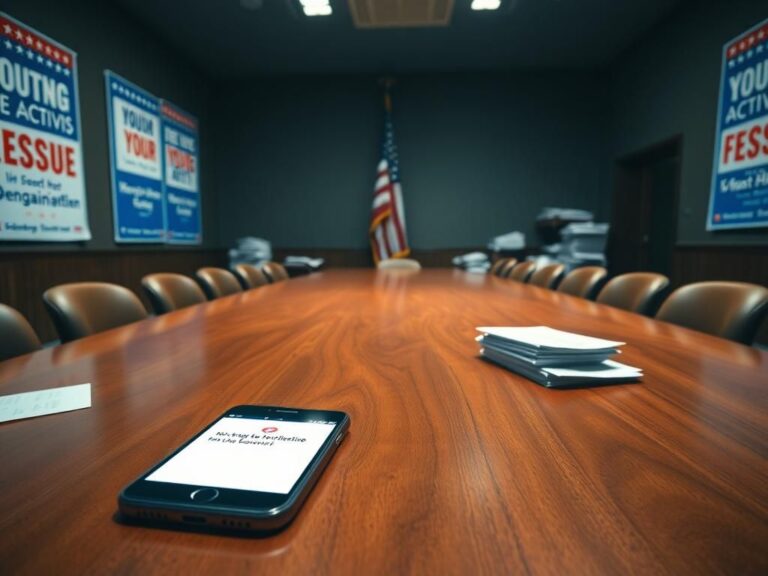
522 272
16 335
509 264
498 266
217 282
167 292
85 308
275 272
399 263
732 310
584 282
639 292
250 276
548 276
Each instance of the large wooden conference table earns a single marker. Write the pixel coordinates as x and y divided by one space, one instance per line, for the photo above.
452 465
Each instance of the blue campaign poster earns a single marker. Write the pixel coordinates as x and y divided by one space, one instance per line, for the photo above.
134 144
739 194
182 175
42 187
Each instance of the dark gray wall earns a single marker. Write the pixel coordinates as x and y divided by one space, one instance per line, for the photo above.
667 84
105 37
481 154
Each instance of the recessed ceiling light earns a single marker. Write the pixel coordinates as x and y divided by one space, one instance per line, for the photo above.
316 7
486 4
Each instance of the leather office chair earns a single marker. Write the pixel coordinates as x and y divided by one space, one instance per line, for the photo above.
16 335
217 282
250 276
275 272
732 310
584 282
85 308
168 292
509 264
639 292
398 263
548 276
498 266
522 272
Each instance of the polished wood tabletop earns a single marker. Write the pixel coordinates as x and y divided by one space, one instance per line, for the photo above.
452 465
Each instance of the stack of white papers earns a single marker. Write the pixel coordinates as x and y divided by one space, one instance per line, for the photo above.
554 358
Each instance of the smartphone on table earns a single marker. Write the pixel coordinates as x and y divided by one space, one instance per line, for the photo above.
250 470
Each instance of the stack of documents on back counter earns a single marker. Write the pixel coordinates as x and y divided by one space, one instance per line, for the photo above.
554 358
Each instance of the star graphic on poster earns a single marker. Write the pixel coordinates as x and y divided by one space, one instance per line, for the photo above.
40 59
759 49
49 63
19 34
731 64
114 86
58 67
30 54
66 71
19 49
8 45
30 40
749 54
7 28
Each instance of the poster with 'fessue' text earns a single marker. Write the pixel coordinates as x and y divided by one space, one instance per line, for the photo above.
136 162
42 185
739 194
181 162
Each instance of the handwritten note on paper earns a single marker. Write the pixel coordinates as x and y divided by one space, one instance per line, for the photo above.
42 402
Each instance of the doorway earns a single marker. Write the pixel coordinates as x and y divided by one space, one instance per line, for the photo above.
645 200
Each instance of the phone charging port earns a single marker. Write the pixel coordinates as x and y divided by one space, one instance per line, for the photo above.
193 519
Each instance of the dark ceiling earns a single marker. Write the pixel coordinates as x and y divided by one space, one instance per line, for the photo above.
225 39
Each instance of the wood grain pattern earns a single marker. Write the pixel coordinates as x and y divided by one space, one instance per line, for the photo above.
452 465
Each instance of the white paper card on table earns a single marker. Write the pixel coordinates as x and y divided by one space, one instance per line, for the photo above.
42 402
544 336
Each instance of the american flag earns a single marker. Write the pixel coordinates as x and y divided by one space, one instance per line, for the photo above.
387 229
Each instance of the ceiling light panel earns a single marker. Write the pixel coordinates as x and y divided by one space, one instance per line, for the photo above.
486 4
316 7
400 13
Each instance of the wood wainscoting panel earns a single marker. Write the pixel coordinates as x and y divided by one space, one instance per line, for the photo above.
24 276
735 263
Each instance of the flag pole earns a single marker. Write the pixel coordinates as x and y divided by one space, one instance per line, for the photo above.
387 82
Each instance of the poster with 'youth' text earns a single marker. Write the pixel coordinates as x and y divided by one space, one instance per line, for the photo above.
42 186
136 162
182 177
739 194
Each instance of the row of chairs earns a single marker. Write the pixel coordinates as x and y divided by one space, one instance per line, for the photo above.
84 308
732 310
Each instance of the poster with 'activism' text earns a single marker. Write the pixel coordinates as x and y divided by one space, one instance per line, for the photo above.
42 185
739 194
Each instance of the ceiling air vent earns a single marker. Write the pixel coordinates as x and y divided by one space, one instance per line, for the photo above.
400 13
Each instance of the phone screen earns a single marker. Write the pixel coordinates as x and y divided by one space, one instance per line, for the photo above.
247 453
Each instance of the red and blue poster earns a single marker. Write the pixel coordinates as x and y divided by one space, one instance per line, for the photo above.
42 185
182 175
739 194
136 163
